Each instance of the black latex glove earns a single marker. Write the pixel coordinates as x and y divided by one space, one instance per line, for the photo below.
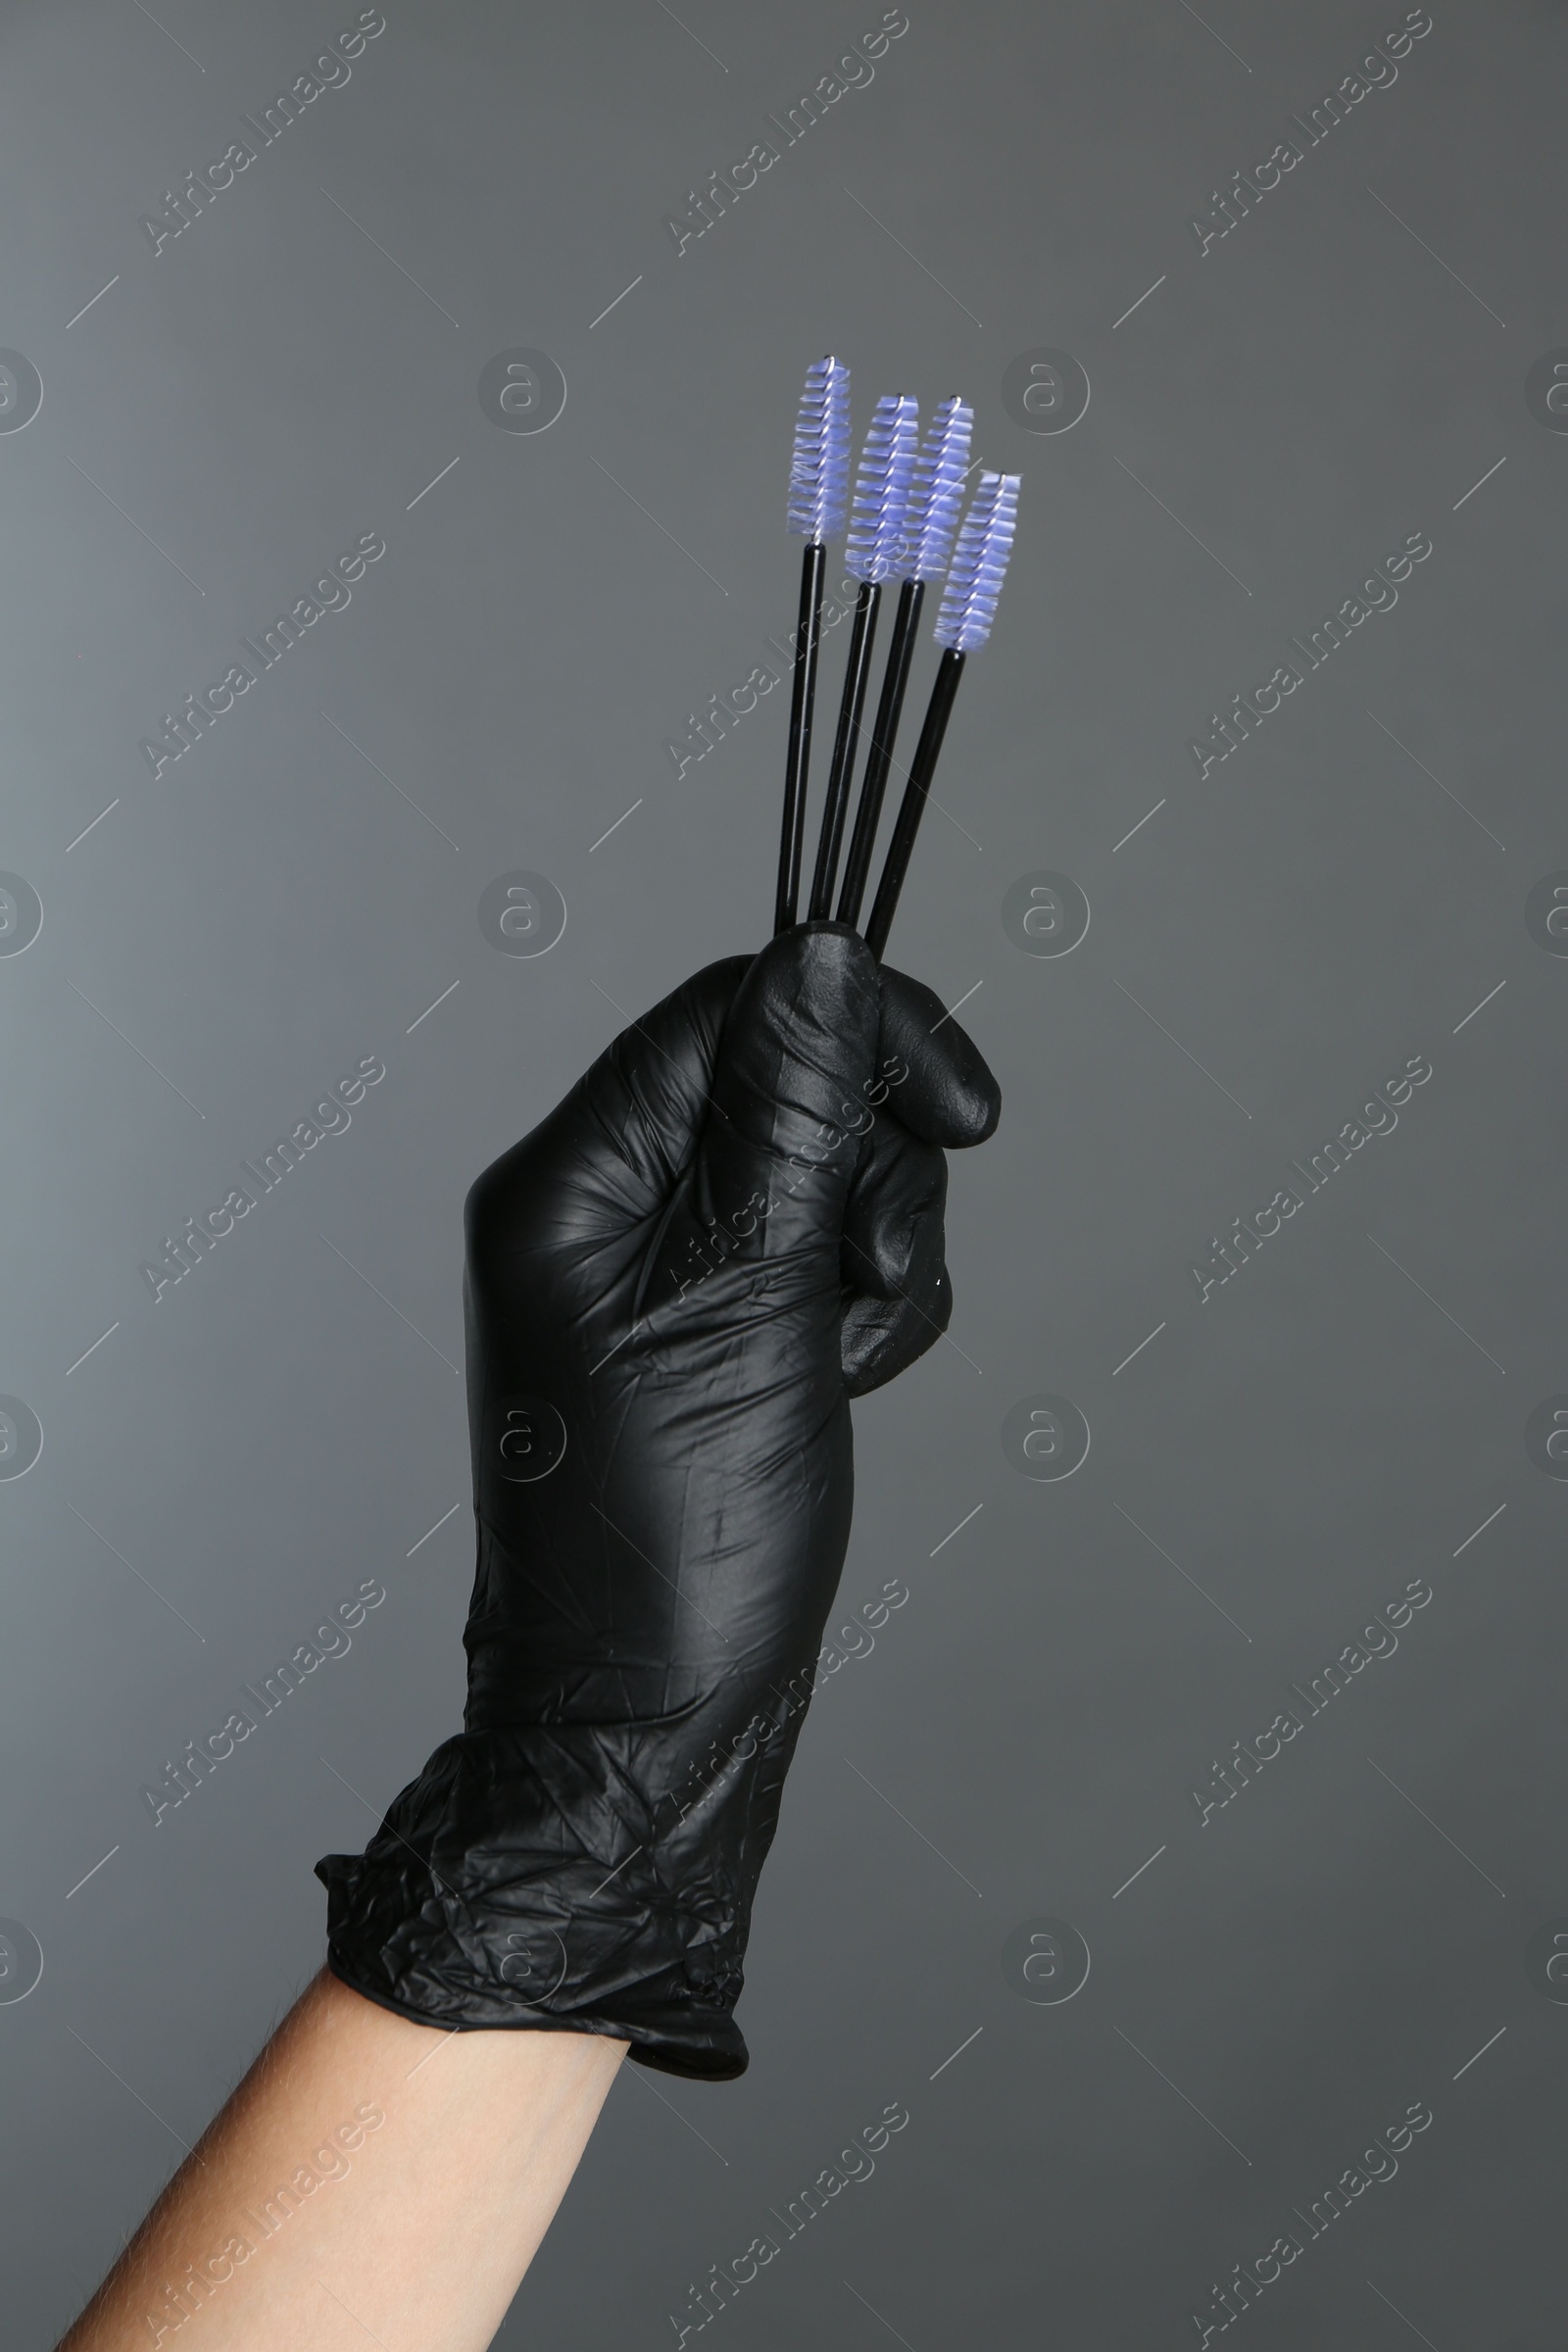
676 1283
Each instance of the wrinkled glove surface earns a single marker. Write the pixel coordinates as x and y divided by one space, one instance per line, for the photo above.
731 1226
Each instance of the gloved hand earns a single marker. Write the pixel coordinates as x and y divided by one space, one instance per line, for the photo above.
730 1226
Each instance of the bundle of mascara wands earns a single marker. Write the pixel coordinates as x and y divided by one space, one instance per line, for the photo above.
901 523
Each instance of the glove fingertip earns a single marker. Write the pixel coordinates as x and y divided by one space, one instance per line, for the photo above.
951 1095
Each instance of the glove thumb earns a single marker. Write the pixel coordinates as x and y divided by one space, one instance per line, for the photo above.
790 1094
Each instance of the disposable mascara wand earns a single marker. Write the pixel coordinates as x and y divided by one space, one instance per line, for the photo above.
935 497
873 552
968 608
819 476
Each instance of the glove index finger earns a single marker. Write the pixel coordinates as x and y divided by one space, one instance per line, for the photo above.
792 1085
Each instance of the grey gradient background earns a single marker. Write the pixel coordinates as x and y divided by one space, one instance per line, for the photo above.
1344 1939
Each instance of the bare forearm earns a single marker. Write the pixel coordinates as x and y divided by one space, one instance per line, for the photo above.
368 2174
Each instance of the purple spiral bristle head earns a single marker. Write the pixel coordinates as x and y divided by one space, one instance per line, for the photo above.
875 549
937 492
819 470
979 564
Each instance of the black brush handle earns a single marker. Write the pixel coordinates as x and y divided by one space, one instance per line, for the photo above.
802 693
912 807
862 839
858 670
